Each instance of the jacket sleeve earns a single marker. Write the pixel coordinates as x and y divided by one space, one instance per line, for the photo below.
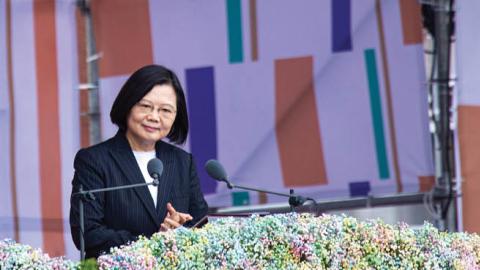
98 237
198 207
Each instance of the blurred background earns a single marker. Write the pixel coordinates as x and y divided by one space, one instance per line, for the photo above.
370 107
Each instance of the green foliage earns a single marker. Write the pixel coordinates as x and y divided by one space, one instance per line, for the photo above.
90 264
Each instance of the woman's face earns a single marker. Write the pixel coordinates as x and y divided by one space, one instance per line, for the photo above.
151 119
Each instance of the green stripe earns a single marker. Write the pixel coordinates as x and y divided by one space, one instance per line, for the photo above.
376 108
234 20
240 198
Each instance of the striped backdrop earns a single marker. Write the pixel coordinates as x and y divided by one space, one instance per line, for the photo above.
326 97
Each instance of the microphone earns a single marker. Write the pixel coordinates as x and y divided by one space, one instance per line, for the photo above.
155 169
217 172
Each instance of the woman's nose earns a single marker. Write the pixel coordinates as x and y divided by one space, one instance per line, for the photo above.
154 116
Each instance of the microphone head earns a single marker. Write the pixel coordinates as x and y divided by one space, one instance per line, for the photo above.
216 170
155 168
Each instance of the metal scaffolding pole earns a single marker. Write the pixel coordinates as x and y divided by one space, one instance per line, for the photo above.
92 84
441 93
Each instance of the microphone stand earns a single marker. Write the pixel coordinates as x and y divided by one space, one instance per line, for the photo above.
293 200
87 195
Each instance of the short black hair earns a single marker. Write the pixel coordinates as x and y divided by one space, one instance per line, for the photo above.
137 86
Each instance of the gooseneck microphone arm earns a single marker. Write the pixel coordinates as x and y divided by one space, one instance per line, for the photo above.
155 169
294 200
217 172
99 190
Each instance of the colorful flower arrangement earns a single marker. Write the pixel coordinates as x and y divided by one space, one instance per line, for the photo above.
286 241
299 241
18 256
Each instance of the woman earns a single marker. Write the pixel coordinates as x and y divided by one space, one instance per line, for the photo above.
150 107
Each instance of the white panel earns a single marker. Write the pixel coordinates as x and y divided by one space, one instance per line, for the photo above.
289 29
3 58
245 126
68 107
26 123
189 33
410 105
6 210
109 88
468 54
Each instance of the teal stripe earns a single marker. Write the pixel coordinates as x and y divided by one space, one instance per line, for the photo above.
240 198
235 40
376 108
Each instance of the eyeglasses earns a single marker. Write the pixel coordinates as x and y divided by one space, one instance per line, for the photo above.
165 111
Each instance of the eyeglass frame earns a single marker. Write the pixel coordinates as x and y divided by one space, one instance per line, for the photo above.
147 107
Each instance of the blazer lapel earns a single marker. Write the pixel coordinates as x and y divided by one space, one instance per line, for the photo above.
165 154
127 163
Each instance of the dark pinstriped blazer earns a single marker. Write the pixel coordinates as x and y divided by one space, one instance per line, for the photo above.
117 217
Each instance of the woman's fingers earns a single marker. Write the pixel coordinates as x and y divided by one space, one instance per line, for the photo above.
170 209
169 224
184 217
181 217
178 217
163 228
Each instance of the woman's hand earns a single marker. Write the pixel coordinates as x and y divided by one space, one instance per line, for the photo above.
174 219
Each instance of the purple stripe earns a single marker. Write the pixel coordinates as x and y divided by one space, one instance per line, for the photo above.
341 33
203 126
358 189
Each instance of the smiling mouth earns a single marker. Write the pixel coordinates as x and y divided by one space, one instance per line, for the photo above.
149 128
